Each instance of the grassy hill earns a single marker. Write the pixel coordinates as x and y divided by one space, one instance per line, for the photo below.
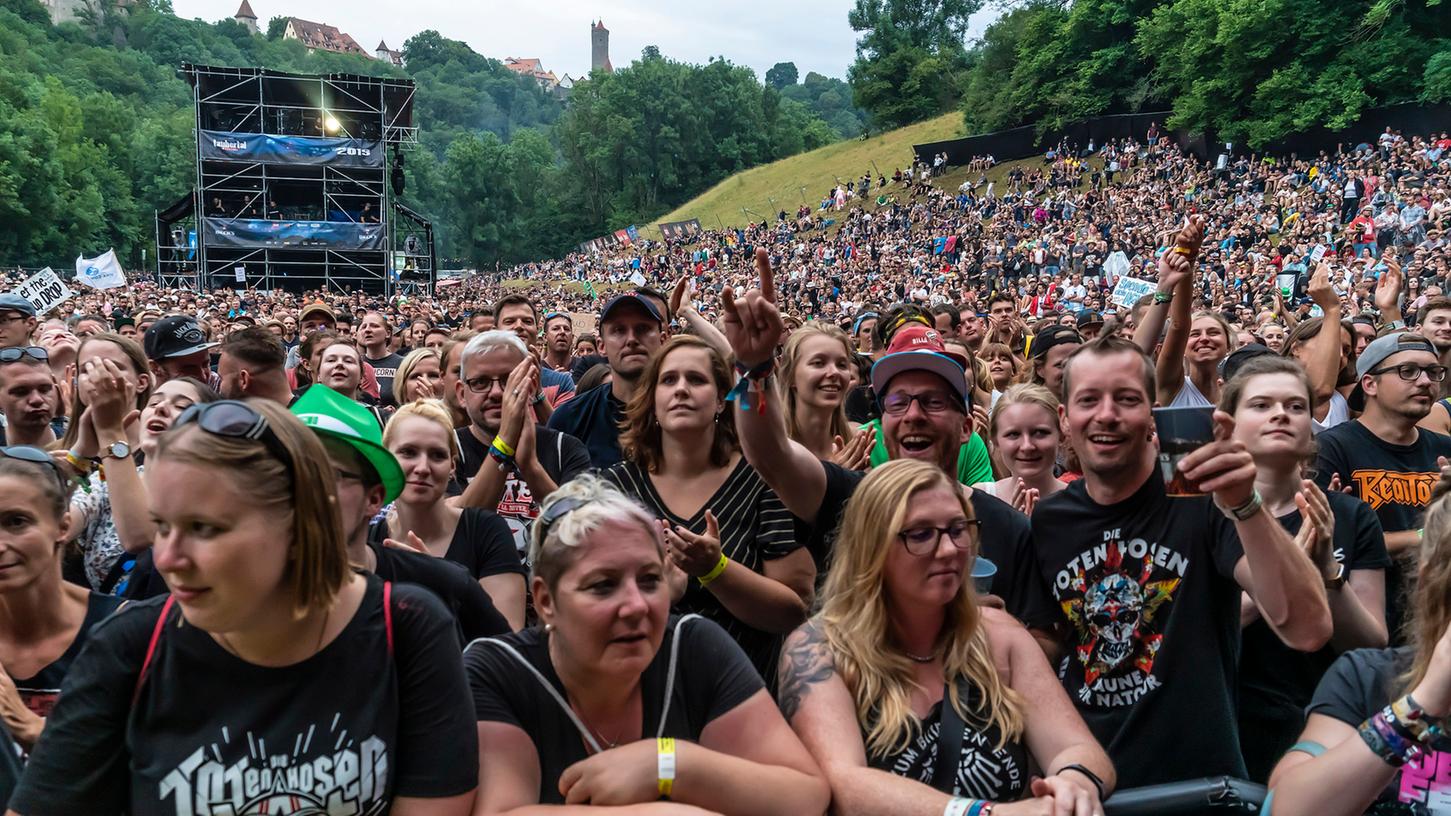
763 191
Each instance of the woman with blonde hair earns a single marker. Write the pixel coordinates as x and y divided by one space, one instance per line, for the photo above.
418 376
268 638
1026 435
817 372
726 529
912 697
615 702
420 436
1002 365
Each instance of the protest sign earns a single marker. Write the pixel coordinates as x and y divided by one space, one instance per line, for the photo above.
1128 290
44 289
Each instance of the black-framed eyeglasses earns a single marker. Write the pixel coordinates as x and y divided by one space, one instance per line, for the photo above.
1410 372
483 385
13 354
923 540
933 402
34 455
237 420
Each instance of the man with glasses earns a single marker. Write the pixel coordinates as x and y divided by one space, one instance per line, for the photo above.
517 460
17 320
29 401
1382 456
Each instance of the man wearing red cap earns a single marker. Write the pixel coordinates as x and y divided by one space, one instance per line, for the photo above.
926 415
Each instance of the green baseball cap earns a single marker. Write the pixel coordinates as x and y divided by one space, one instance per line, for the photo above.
331 414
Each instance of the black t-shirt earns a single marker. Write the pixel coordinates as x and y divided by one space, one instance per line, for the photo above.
1358 685
560 455
593 418
481 544
1148 588
1395 480
984 771
471 606
713 676
385 369
754 528
344 731
1006 540
40 691
1275 681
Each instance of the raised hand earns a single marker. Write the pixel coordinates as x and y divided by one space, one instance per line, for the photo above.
1388 290
1320 290
693 553
1317 517
1223 467
753 324
412 543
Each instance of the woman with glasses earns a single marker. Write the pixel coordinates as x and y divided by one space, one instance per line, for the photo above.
1270 399
421 437
723 526
913 697
44 620
615 702
273 678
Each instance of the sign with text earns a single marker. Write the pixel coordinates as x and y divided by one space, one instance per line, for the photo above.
45 290
1128 291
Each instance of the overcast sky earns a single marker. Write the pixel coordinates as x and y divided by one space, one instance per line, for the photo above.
756 33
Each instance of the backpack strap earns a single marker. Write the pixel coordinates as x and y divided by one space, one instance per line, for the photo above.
388 613
151 647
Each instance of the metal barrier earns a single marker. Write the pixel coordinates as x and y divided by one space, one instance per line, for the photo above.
1214 793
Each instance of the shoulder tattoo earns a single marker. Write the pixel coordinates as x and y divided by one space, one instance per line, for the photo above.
805 662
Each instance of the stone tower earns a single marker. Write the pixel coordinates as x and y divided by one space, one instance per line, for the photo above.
599 38
245 16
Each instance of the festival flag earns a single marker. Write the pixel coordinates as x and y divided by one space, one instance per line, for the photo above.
100 272
589 289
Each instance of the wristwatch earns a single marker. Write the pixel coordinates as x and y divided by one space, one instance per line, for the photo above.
116 450
1338 580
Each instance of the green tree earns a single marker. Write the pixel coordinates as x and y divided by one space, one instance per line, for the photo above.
781 75
909 56
276 27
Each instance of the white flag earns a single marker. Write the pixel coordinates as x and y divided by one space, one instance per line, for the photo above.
102 272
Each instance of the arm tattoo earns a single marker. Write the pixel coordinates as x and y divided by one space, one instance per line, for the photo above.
805 662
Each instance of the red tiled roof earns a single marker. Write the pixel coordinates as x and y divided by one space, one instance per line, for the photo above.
324 36
245 11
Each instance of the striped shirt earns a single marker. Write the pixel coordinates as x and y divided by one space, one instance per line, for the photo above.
754 528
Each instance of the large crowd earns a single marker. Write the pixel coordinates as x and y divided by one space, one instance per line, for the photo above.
870 507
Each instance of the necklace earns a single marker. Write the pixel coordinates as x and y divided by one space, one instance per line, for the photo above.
317 647
920 658
606 741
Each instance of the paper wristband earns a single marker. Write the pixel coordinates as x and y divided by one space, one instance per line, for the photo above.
665 764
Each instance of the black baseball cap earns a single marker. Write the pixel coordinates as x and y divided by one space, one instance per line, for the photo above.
1236 359
628 299
1055 335
1089 317
175 336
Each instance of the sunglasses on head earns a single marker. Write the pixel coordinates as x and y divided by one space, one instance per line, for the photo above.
15 353
26 453
555 512
232 419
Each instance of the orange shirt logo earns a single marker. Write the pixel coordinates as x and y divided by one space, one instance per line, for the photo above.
1380 487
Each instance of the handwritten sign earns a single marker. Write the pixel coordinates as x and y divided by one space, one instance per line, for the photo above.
1128 291
44 289
241 273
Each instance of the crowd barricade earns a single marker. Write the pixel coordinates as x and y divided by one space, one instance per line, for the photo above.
1192 796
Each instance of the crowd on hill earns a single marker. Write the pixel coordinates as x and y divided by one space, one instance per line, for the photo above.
994 497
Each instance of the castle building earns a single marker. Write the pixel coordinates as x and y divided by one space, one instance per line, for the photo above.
599 39
245 16
386 54
531 67
321 36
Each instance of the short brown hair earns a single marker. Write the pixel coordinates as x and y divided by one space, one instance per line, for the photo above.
515 300
1104 346
640 432
256 346
317 561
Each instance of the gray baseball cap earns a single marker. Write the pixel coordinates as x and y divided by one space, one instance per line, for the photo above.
9 301
1380 350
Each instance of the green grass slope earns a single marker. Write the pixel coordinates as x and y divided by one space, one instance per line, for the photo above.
763 191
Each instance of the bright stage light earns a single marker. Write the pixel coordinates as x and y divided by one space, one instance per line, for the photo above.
330 125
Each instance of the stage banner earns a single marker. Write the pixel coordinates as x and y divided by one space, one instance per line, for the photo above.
261 147
675 230
247 233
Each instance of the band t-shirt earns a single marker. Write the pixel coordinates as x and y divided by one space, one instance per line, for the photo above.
560 455
1358 685
385 369
984 771
713 676
1148 588
1395 480
40 691
340 733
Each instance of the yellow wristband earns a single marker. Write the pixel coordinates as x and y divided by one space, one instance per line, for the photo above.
665 764
504 447
715 571
1182 250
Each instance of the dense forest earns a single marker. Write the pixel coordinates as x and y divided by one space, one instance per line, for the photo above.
96 133
1250 70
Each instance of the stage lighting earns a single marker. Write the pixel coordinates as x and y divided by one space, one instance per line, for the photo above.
330 125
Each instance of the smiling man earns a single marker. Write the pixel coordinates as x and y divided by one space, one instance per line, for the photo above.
925 416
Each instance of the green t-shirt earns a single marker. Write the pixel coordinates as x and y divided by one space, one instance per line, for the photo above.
973 464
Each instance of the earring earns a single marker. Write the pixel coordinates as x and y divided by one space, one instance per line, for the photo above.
548 627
